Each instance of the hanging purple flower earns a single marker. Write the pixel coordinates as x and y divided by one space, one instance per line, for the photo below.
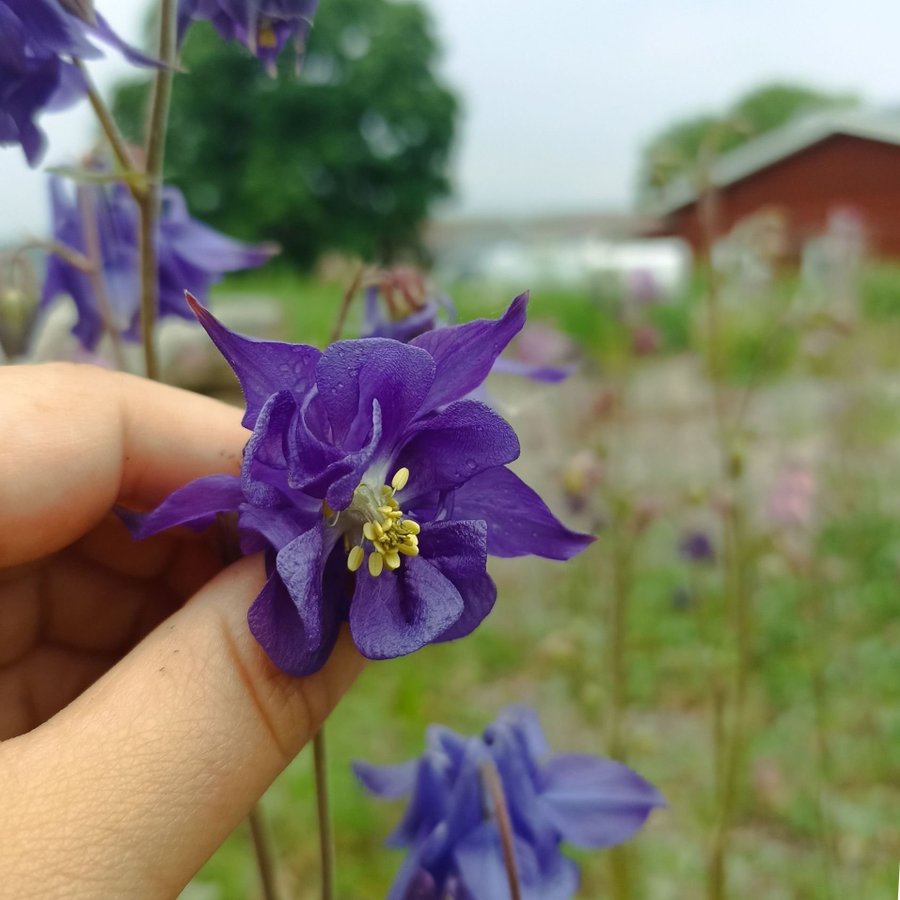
262 26
374 488
190 255
399 305
38 41
452 832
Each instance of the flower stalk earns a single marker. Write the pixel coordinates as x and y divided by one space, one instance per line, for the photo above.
264 862
323 811
148 199
494 788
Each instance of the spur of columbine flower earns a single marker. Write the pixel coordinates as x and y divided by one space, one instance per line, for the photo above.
189 253
39 39
452 825
262 26
375 490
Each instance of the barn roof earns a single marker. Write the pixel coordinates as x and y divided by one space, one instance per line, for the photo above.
770 148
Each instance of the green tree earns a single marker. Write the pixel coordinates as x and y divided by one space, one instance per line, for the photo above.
683 146
348 157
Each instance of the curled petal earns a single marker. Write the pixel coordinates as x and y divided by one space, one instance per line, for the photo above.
449 448
290 617
354 374
400 612
459 551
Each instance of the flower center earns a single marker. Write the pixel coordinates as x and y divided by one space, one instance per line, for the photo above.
265 35
385 532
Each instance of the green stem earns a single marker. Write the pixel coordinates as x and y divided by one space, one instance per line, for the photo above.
116 141
148 200
326 836
346 302
88 212
263 852
729 742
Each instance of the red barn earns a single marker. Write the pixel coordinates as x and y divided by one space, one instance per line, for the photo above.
804 173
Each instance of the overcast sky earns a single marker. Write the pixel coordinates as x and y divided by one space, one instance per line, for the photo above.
560 96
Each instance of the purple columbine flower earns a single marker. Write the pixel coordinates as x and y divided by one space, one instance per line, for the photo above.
399 305
190 255
451 829
375 490
262 26
696 547
38 41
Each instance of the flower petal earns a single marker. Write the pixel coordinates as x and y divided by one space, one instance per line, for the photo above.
289 618
353 374
596 802
448 449
400 612
459 551
262 367
549 374
195 505
464 354
483 869
518 521
387 781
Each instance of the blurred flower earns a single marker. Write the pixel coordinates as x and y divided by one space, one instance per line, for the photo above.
399 305
451 823
38 41
191 256
645 340
696 547
581 475
642 287
262 26
368 453
792 499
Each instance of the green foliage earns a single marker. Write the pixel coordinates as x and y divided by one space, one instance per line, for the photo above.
881 292
685 145
348 157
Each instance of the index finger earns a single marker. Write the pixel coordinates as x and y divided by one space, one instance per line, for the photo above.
80 439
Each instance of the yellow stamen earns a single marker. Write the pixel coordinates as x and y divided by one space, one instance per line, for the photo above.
376 564
265 36
409 527
355 558
392 559
401 476
372 531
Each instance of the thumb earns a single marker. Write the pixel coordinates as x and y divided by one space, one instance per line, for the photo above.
131 788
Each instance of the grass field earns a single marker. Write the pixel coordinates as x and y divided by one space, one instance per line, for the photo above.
812 388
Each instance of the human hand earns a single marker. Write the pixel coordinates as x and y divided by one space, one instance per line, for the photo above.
125 785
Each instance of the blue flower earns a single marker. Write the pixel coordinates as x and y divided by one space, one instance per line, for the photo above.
38 41
696 547
375 489
451 828
190 254
263 26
